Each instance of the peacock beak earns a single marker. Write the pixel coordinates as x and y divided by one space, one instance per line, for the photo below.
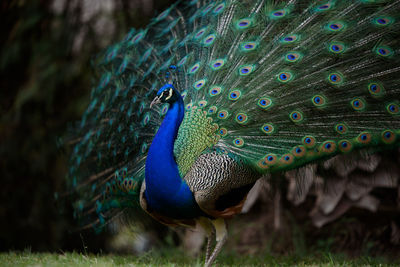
155 101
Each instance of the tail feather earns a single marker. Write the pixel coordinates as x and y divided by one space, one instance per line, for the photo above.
284 83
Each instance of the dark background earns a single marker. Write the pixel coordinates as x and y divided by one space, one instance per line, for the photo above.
46 47
45 81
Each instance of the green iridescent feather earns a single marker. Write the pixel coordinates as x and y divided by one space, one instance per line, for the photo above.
278 84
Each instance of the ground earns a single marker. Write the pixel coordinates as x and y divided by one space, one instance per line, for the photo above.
176 257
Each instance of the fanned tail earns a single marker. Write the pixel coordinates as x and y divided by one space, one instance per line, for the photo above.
289 83
282 83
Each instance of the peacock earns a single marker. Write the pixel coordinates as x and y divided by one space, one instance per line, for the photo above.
191 111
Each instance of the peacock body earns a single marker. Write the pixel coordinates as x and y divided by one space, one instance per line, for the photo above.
245 89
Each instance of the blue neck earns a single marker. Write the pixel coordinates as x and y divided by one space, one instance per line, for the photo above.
166 192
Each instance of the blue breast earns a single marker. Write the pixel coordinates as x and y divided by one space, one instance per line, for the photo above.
166 192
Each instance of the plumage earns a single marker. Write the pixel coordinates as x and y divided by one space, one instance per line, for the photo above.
246 88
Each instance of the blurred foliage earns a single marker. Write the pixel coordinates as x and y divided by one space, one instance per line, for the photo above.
45 81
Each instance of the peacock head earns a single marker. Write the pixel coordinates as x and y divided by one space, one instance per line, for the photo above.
166 94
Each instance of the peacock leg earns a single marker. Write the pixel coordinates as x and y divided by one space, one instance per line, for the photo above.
208 228
221 236
210 238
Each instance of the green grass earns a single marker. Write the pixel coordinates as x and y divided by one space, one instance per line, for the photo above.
176 257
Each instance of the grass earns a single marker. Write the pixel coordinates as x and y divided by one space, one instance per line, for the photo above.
174 257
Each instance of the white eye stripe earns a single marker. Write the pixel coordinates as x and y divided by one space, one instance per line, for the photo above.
169 94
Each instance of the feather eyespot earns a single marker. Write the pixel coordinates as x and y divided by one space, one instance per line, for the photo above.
146 119
324 7
189 106
122 67
262 164
278 14
105 79
129 35
217 64
309 141
318 101
248 46
341 128
241 118
212 110
243 24
382 21
388 136
194 68
270 159
128 184
287 159
335 78
215 90
285 76
209 40
182 61
335 26
207 9
265 103
296 116
238 142
364 138
376 89
268 128
290 57
124 172
199 84
146 55
299 151
358 104
328 147
246 70
345 146
293 57
384 51
200 33
202 103
163 15
337 47
223 132
289 39
164 109
137 37
219 8
223 114
143 148
235 95
393 108
142 107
